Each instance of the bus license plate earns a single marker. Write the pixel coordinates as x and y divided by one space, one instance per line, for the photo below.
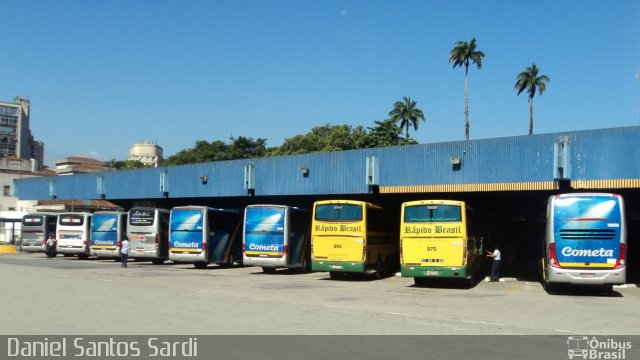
432 272
337 267
587 275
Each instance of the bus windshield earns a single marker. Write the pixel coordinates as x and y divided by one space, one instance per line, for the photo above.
587 208
433 213
338 212
71 220
265 218
104 223
32 220
187 220
141 217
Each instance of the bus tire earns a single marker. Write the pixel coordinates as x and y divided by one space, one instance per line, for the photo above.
607 289
229 262
378 268
268 270
306 265
549 287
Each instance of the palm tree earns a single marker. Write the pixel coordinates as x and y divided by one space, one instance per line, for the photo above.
463 54
407 114
530 81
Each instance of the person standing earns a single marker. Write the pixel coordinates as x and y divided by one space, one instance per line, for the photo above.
50 247
124 251
495 265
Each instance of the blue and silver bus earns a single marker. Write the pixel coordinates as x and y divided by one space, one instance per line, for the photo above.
74 234
36 228
107 231
276 236
585 240
148 234
203 235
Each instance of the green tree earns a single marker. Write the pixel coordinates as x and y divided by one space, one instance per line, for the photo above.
529 80
385 133
322 139
217 150
126 164
463 54
406 113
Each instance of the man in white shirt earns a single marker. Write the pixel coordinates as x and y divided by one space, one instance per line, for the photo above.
124 251
495 266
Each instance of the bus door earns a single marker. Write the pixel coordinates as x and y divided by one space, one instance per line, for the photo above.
224 233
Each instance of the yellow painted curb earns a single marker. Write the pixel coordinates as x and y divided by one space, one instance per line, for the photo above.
7 249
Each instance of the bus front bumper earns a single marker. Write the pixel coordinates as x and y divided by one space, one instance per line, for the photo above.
587 276
106 253
338 266
461 272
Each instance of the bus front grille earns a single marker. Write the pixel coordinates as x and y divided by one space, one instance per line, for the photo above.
587 234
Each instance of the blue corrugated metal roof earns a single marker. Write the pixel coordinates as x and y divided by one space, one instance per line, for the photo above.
604 154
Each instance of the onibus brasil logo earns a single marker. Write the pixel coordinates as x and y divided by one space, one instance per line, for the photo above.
581 347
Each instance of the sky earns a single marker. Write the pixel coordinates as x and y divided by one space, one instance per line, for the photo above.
103 75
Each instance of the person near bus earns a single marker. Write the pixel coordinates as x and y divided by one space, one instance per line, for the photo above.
495 266
50 244
124 251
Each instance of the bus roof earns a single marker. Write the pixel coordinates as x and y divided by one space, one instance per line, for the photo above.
275 206
200 207
352 202
427 202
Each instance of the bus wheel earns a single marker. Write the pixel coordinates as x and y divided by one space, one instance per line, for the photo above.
306 265
607 289
268 270
378 269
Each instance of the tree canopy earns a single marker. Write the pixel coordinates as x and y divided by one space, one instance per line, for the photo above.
323 138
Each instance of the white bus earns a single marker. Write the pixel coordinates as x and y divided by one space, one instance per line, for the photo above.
585 240
148 234
74 234
203 235
276 236
36 228
107 230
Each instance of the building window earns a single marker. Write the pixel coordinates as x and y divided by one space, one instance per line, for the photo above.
6 191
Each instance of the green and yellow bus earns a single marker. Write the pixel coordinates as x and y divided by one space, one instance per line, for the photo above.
352 237
438 239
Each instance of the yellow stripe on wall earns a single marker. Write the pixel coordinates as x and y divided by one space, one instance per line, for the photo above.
606 184
542 185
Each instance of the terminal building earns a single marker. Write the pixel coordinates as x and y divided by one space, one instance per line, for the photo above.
509 179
